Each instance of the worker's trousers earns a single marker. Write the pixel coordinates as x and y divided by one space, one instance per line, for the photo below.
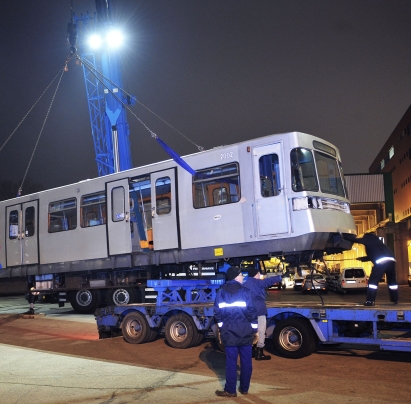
262 325
378 271
246 367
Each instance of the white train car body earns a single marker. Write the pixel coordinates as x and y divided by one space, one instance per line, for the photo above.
279 195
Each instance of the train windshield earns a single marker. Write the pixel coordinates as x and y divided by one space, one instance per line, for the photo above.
329 174
318 172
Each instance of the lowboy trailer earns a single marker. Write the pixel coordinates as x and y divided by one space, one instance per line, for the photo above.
185 316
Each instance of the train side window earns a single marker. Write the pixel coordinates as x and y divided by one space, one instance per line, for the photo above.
217 185
269 175
303 174
118 212
62 215
163 196
29 221
93 209
13 224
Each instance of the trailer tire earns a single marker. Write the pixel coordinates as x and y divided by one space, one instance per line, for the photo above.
180 331
119 296
135 329
198 339
293 338
85 301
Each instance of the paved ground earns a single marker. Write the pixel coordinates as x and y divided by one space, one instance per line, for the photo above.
56 357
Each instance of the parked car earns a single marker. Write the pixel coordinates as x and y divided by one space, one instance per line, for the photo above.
299 278
298 283
352 279
314 282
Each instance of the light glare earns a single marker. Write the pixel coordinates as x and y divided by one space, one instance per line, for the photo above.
114 39
95 41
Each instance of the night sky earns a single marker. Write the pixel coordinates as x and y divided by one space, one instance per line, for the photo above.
220 71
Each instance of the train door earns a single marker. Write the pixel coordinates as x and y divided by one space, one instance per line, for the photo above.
22 234
270 198
118 217
164 210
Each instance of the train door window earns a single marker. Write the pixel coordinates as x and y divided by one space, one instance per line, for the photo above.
93 209
29 221
329 174
269 175
303 174
62 215
118 213
13 224
217 185
163 196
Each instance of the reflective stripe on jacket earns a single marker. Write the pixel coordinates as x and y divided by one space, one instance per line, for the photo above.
236 314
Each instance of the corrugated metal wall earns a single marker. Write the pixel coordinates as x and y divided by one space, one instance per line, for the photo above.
365 188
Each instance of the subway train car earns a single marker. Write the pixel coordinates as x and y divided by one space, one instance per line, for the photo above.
99 240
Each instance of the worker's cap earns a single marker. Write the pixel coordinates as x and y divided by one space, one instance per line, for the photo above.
232 273
253 272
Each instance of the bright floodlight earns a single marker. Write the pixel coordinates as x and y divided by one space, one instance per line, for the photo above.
95 41
114 39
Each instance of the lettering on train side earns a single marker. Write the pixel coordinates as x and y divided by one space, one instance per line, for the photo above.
226 155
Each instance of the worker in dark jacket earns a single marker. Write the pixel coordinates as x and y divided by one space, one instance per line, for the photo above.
383 263
236 317
258 287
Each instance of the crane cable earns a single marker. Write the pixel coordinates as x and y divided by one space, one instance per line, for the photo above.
61 72
95 72
28 112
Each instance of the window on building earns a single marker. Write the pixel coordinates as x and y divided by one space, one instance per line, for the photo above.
391 152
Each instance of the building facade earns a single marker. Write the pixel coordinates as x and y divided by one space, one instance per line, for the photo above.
394 159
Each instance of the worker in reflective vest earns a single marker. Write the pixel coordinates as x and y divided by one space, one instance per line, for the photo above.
236 317
383 263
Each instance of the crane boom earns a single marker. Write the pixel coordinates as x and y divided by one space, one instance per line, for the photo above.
108 116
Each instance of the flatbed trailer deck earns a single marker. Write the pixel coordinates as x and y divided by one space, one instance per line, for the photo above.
296 329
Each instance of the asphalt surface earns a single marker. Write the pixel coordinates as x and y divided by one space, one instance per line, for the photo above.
56 357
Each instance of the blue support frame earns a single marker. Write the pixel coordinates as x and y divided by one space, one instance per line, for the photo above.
108 116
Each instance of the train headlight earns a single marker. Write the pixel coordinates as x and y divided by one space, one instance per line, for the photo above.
300 203
307 202
316 202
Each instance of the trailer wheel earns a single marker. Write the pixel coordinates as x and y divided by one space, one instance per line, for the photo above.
198 339
119 296
293 338
135 329
85 301
180 331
